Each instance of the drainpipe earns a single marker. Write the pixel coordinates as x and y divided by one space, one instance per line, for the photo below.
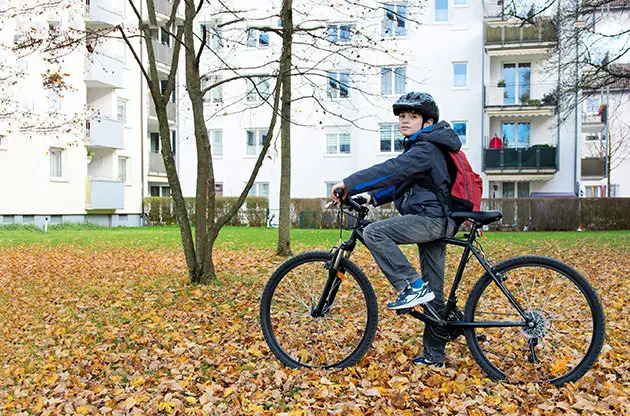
558 101
483 90
576 185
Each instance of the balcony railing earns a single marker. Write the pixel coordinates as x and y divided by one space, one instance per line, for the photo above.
103 71
170 110
106 194
163 53
156 163
105 11
593 123
531 94
509 36
543 158
105 133
593 168
165 7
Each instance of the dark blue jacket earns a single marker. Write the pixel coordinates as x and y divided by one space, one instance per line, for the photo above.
397 179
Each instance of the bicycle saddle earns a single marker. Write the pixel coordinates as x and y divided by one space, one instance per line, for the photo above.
481 217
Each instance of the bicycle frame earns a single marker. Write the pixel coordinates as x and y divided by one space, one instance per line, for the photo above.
345 249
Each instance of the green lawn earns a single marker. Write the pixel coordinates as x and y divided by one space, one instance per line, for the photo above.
249 237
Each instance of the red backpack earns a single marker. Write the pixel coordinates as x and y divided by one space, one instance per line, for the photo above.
466 185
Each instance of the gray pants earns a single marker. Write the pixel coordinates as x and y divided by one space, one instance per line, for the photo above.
383 238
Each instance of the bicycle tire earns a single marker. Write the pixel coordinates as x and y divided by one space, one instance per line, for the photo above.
550 332
287 350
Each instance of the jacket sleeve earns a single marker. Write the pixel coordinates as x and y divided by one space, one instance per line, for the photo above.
382 196
384 176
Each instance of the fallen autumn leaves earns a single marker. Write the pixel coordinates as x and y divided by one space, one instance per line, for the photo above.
122 331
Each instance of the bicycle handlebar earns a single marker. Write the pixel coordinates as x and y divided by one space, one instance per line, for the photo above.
352 203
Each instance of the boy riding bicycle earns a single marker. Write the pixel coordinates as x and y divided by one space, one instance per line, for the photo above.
423 220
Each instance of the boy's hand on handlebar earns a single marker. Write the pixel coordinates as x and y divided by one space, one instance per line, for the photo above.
339 192
363 200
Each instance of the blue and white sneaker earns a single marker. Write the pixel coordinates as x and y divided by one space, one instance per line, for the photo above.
411 297
422 360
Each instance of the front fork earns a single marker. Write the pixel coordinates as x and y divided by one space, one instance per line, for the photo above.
335 277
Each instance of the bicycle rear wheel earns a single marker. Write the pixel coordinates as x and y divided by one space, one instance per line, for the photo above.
567 322
337 339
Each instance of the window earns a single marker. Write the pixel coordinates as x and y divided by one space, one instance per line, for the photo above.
592 105
516 134
154 190
3 140
54 29
394 22
122 169
338 84
121 110
258 89
338 143
515 189
218 189
591 137
165 38
155 142
163 86
460 74
340 32
517 83
257 38
216 142
213 33
173 141
56 157
441 10
393 80
460 2
391 138
259 189
166 191
255 141
460 128
54 100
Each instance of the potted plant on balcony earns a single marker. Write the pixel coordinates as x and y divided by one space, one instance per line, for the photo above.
501 83
525 99
89 156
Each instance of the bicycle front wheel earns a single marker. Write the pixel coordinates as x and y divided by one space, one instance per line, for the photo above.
565 322
338 338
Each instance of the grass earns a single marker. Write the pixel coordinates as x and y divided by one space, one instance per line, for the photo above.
238 238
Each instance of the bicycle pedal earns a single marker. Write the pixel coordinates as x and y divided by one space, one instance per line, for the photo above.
403 311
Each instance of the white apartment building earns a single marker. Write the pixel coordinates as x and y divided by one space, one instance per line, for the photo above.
350 125
99 169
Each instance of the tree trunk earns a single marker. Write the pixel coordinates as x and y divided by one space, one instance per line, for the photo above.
284 236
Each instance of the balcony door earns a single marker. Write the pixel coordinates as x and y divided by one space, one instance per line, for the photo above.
516 135
517 82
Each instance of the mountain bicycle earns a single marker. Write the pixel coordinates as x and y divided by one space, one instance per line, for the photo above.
527 319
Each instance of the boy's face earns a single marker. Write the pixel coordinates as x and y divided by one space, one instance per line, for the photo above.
409 123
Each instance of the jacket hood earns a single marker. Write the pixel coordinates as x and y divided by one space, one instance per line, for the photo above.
440 134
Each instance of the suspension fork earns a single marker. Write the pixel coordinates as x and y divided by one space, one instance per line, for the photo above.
332 284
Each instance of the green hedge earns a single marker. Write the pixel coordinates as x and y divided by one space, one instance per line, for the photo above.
534 214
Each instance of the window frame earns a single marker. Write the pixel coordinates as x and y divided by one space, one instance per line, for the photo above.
259 140
215 95
389 27
257 39
125 178
460 87
122 101
516 144
256 186
337 133
153 135
393 77
394 133
465 123
255 95
435 12
212 134
464 4
338 31
335 77
57 153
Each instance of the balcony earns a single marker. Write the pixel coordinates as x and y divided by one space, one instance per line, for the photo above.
105 133
108 12
535 99
531 159
163 53
170 110
103 71
593 168
535 39
593 123
105 194
156 164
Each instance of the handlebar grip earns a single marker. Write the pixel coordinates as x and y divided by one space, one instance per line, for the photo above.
339 192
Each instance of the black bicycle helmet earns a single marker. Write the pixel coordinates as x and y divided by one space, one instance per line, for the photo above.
419 102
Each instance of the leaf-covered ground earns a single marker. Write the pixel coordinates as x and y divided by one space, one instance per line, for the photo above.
121 331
